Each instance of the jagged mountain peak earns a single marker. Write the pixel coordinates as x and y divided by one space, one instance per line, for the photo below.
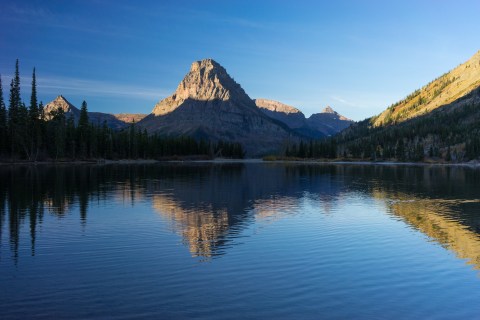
328 109
329 112
60 102
207 80
208 104
209 64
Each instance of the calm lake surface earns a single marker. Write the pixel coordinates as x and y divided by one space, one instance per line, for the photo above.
228 241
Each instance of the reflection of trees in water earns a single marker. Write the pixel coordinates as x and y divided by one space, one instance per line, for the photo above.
28 191
208 204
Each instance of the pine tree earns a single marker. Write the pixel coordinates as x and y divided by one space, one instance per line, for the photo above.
83 131
34 120
23 130
3 123
70 136
33 97
59 134
13 110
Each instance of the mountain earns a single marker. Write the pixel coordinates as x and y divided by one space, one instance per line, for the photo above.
289 115
326 123
444 90
60 103
329 122
209 104
98 118
130 117
440 122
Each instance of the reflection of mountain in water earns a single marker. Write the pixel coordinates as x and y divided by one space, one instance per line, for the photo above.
210 210
208 205
201 228
435 219
441 202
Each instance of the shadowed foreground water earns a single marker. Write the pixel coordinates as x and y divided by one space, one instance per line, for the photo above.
228 241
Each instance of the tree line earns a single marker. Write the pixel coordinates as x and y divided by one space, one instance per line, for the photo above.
448 134
27 133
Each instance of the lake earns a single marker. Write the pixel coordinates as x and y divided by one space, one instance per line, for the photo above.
239 240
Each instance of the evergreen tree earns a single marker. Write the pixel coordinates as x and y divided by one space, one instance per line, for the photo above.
13 110
83 131
34 121
33 97
448 156
70 136
3 123
59 134
23 131
400 150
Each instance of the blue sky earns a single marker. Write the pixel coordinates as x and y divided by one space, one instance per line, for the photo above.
124 56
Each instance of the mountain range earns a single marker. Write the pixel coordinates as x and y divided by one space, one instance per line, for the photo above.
326 123
438 121
97 118
208 104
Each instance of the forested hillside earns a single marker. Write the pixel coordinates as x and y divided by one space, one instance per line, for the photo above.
438 123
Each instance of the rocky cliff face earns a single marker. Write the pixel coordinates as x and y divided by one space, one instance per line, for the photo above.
69 109
326 123
209 104
206 81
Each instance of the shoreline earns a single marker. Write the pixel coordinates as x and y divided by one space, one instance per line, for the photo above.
246 161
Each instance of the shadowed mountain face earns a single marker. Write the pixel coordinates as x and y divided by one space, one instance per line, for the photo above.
326 123
96 118
289 115
209 104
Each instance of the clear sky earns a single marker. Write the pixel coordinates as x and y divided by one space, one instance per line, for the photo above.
124 56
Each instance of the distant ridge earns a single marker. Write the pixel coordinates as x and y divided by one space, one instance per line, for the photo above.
326 123
60 102
130 117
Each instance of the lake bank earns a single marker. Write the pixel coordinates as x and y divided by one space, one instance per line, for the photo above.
250 160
